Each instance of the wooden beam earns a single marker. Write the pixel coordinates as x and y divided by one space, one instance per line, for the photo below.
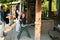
38 20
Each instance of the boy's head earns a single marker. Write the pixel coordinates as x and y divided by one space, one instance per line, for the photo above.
23 14
2 7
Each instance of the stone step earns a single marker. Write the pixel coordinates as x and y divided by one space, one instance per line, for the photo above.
54 34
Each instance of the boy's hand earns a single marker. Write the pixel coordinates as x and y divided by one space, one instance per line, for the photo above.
19 19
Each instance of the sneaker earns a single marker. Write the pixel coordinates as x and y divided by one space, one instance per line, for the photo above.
4 34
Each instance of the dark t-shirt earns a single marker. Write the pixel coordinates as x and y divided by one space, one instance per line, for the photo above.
2 16
23 21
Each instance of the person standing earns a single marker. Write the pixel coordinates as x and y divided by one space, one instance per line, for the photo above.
17 17
3 21
17 11
23 26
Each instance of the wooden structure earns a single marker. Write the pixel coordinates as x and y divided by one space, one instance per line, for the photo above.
38 20
28 11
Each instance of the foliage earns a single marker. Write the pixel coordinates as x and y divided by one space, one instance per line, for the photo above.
54 5
45 5
6 1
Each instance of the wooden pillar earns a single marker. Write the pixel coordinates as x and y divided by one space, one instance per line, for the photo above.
38 20
28 12
50 7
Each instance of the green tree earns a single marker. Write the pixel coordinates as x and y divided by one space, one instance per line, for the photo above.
6 1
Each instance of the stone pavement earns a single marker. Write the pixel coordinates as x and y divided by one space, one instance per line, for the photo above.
6 25
12 35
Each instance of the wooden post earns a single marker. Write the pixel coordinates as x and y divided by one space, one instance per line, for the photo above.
28 12
38 20
50 6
